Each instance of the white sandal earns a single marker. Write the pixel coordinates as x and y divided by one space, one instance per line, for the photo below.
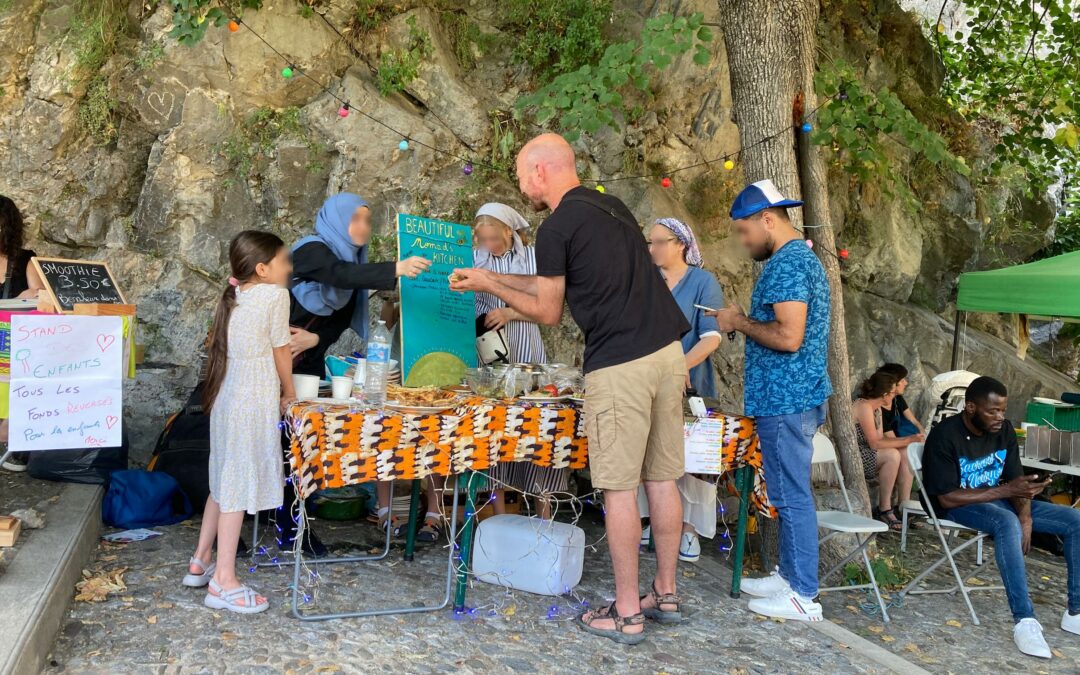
193 580
230 600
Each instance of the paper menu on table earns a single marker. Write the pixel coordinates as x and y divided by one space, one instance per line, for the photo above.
66 374
704 446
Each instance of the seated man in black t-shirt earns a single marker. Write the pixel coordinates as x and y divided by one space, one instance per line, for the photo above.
973 475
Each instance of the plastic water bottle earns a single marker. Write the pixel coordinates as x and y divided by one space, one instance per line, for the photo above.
377 367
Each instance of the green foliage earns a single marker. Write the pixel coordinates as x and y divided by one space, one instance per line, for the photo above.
384 246
860 126
97 112
96 30
1067 223
150 56
254 140
369 15
1014 72
889 572
593 96
191 18
466 38
399 67
5 5
558 36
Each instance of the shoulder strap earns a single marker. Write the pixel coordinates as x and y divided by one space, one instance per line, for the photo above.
595 204
11 263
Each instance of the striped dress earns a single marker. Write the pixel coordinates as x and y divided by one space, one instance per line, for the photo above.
523 339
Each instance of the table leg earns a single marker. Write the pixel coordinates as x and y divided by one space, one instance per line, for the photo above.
465 547
744 483
410 533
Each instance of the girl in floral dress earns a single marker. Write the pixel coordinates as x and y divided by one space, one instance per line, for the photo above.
248 385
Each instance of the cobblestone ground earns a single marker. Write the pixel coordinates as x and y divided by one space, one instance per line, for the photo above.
936 631
19 491
156 626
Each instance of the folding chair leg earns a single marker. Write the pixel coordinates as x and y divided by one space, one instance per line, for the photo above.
873 582
979 553
903 530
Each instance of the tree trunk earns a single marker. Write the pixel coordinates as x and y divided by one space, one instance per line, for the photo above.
771 54
815 194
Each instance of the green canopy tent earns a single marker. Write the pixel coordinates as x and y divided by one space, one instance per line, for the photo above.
1046 289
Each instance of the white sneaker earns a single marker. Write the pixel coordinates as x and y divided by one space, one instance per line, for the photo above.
1028 636
689 547
1070 622
765 586
646 535
787 605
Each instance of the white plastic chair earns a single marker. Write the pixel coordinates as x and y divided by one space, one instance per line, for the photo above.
948 534
847 522
913 508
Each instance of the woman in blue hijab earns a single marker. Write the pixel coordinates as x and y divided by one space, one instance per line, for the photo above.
331 279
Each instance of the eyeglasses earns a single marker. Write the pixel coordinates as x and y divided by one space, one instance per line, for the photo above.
651 243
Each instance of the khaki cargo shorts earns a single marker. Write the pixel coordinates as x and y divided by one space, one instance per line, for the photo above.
634 420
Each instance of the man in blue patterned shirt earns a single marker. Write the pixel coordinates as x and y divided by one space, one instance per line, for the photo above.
787 386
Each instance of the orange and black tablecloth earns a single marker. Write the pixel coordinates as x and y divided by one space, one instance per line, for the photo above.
334 445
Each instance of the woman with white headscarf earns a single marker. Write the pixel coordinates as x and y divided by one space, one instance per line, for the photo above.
500 247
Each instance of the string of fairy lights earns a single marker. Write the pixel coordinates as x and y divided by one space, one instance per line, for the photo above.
469 164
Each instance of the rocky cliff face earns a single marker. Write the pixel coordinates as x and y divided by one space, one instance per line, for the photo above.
159 154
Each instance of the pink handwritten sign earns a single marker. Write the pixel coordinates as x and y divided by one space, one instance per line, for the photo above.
66 377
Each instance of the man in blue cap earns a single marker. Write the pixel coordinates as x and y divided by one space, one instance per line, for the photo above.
787 386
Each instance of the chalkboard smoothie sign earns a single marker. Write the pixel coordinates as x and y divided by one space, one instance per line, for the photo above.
438 326
74 282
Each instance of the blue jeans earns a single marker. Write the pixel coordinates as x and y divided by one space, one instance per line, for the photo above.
1000 521
786 450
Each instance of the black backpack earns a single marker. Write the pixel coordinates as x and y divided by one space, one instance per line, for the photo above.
183 449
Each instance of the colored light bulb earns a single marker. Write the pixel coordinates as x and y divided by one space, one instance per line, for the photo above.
600 189
843 253
809 244
343 111
807 128
467 169
403 145
729 165
665 182
233 26
286 72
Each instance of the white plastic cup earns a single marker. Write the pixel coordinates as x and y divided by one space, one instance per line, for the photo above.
341 387
307 387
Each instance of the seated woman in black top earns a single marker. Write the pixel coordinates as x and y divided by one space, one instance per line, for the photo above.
331 277
20 280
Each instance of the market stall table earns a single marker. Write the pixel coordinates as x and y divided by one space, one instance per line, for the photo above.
334 445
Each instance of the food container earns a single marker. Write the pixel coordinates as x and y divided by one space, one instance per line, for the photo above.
1074 449
1059 446
1037 445
524 379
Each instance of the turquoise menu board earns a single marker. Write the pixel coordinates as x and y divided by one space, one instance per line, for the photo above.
438 326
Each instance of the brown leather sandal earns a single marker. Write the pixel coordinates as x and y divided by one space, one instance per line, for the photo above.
617 634
660 615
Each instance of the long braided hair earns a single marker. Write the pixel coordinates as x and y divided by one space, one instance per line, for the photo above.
247 250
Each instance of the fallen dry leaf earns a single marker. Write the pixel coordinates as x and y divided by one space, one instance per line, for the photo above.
888 638
875 629
515 638
976 581
151 620
165 605
953 622
912 647
1057 653
228 635
96 587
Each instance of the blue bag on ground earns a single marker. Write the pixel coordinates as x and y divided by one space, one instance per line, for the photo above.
144 499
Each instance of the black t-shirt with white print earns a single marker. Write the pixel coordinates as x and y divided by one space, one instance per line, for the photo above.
955 459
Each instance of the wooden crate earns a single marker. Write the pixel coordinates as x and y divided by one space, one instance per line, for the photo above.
9 530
